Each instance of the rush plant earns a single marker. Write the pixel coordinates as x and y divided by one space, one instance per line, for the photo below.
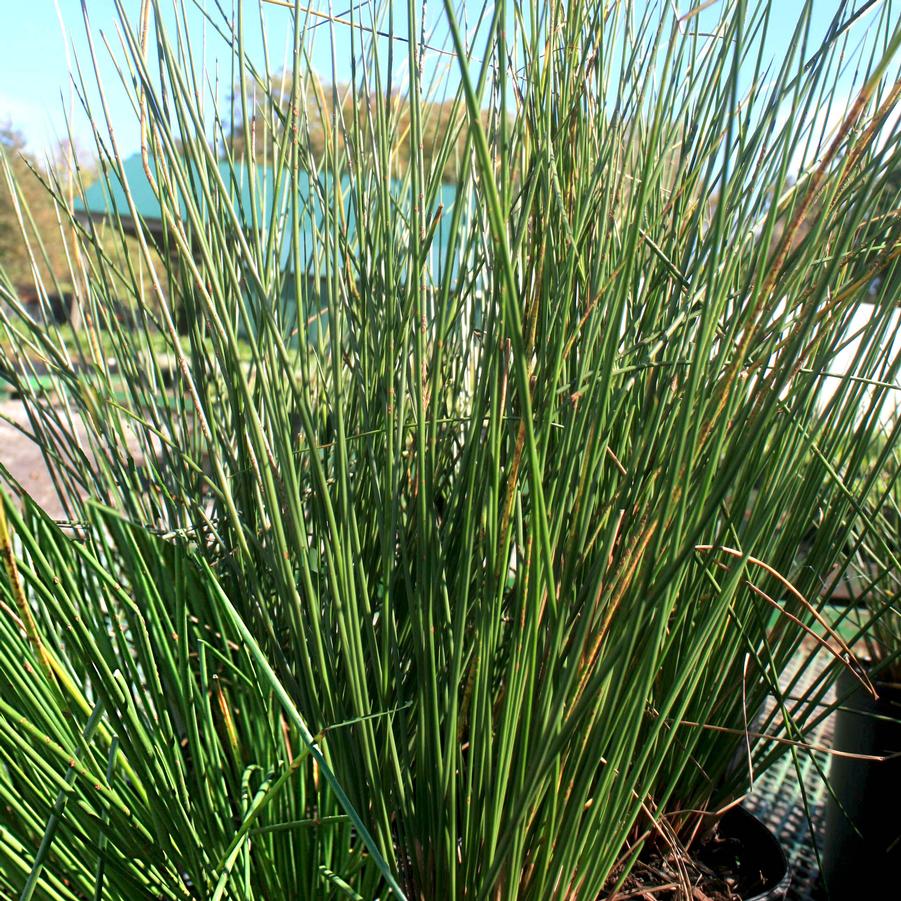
871 567
442 540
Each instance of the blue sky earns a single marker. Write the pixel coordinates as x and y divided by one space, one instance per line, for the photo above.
34 69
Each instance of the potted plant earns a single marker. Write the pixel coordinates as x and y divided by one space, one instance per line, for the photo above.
867 769
476 588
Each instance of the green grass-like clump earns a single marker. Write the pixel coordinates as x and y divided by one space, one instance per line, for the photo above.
485 587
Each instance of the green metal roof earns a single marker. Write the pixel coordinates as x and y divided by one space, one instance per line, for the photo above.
106 198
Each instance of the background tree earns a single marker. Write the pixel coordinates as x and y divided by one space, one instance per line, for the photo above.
327 108
15 256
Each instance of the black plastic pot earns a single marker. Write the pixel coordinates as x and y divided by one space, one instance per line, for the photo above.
862 847
750 852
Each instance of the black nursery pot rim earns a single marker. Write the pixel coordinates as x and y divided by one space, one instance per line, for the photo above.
861 822
760 850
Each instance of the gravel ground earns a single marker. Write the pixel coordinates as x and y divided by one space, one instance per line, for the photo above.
23 461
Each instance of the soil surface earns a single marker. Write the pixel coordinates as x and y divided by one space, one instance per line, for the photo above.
716 870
